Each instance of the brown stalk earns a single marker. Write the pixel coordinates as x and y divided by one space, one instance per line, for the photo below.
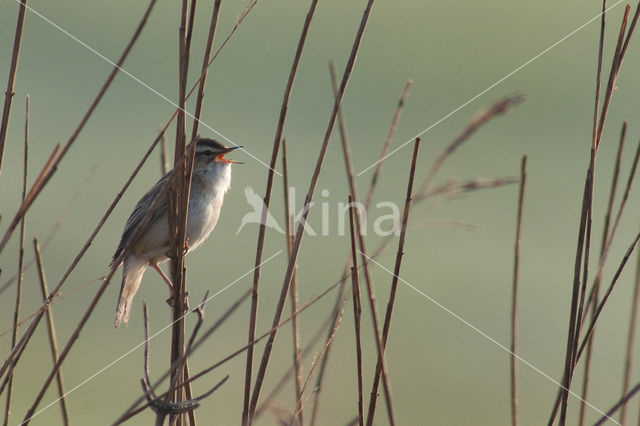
177 206
514 294
24 339
13 69
346 154
51 332
291 371
54 229
622 403
132 410
633 319
618 57
164 154
49 169
248 407
357 312
394 283
295 329
299 234
578 292
498 108
593 297
387 142
18 300
205 66
315 363
37 186
341 298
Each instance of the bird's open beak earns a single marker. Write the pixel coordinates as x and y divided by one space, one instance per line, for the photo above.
220 157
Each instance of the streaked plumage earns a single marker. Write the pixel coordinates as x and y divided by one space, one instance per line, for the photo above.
211 180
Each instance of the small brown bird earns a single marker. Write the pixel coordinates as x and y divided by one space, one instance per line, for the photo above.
210 182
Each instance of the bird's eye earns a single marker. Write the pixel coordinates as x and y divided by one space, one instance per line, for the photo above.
208 152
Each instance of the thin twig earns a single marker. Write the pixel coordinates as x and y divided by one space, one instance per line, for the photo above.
18 301
305 213
578 292
164 154
293 297
622 403
49 169
13 69
205 67
514 294
387 142
633 319
346 155
178 206
266 403
357 312
57 161
394 283
341 297
132 410
248 406
51 331
594 294
315 363
54 229
498 108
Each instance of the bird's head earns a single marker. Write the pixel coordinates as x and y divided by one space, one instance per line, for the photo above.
211 152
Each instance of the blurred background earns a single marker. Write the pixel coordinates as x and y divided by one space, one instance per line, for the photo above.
442 371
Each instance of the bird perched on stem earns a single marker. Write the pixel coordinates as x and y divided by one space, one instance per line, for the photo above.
210 182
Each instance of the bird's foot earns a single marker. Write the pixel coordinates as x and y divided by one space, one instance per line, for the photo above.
171 301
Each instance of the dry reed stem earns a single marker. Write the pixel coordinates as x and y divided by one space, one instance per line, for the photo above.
300 231
13 69
594 294
177 206
514 293
340 298
52 165
357 312
346 154
291 371
54 229
633 317
246 407
578 292
132 410
18 300
38 184
92 305
621 403
45 174
205 65
164 154
394 282
618 57
314 364
387 142
51 333
293 290
498 108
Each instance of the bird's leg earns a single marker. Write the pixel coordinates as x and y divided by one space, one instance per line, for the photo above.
163 276
169 283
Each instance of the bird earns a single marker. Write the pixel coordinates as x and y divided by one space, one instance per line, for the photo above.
210 182
255 216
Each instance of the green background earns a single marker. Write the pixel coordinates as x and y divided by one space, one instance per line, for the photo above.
442 371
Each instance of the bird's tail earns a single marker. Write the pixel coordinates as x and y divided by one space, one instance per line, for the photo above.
132 272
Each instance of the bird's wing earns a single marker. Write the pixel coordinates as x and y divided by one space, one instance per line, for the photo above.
140 211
